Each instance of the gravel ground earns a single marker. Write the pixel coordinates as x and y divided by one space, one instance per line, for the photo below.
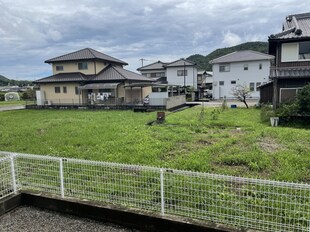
30 219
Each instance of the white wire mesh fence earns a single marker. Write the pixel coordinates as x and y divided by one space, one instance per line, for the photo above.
240 202
7 179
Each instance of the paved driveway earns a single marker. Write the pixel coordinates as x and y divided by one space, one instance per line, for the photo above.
6 108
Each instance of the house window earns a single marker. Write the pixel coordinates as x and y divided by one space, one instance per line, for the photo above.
59 68
252 86
221 83
289 52
82 66
77 92
159 74
233 82
246 67
64 89
57 89
260 66
288 94
181 73
304 50
224 68
257 85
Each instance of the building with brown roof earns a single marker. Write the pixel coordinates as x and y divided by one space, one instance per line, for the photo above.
291 69
90 77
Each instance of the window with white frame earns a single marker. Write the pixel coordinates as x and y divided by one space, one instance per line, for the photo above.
245 67
181 73
224 68
64 89
221 83
288 94
260 66
289 52
233 82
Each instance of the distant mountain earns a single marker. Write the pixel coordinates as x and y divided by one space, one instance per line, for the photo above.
5 82
203 61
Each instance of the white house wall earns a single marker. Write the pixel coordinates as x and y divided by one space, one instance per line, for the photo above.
241 76
190 79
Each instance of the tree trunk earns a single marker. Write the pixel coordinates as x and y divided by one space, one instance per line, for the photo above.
246 104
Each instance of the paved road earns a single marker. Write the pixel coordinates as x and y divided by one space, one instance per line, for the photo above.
6 108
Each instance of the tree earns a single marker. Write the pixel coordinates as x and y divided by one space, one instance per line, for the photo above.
242 93
29 94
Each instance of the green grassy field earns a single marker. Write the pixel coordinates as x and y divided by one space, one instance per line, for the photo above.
232 142
12 103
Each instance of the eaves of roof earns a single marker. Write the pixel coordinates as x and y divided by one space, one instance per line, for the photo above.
64 77
180 62
158 65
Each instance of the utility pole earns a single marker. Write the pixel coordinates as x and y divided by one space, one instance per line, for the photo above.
184 79
142 59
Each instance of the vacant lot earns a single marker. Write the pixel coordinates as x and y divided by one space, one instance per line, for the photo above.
232 142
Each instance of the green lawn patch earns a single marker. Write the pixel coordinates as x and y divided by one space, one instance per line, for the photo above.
233 141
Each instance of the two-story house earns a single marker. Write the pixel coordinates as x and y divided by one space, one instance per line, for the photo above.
89 77
181 72
291 70
247 67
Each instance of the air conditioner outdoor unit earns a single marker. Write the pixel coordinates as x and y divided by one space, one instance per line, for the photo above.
48 102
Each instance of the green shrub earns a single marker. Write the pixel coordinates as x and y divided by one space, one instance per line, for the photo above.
287 110
2 96
29 94
266 112
303 100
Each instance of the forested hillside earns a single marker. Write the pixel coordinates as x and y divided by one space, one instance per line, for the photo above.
5 81
203 61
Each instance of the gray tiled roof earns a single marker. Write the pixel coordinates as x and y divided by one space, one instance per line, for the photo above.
154 66
239 56
290 72
86 54
110 73
129 75
180 62
64 77
295 26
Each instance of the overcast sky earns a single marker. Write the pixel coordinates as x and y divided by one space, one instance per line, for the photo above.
32 31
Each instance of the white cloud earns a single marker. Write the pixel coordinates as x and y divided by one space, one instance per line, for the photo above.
231 39
54 35
147 10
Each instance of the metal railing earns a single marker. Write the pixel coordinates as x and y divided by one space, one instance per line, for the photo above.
239 202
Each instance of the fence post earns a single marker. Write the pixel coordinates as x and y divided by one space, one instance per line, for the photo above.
61 175
13 174
162 195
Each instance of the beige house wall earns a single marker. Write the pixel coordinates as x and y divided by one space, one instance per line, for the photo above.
94 67
48 91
